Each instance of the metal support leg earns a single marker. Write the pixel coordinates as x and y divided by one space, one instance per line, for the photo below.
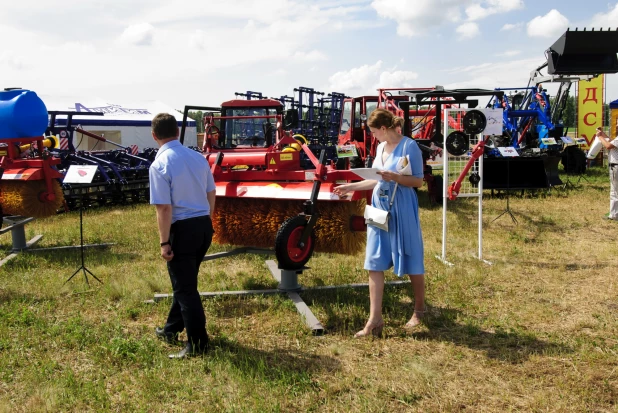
288 282
18 235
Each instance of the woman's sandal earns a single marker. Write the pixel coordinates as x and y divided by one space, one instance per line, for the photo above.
416 320
373 329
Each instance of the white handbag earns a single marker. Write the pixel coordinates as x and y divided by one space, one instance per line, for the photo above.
377 217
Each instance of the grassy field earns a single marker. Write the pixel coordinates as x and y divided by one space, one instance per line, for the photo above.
535 331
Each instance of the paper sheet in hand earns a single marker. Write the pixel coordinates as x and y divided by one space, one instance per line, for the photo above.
403 165
367 173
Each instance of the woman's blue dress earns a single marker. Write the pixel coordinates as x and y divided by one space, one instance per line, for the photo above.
402 246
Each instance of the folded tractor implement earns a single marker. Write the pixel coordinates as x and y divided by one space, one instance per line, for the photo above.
265 197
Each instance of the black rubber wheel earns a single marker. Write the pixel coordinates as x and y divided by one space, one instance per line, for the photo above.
457 143
289 255
474 122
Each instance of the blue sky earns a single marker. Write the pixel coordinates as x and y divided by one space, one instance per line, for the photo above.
202 52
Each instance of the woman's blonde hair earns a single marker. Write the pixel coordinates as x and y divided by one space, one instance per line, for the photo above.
382 117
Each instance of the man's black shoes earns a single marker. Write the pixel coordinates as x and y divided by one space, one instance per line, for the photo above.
168 338
188 351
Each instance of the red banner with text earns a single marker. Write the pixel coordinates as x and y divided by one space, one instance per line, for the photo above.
589 107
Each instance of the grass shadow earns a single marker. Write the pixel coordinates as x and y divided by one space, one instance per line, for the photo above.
346 309
506 346
283 366
93 256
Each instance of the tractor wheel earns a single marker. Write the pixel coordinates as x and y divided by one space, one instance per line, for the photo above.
289 255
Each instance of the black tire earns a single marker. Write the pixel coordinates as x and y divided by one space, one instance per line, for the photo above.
289 256
474 122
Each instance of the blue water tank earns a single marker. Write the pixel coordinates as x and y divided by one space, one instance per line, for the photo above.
22 114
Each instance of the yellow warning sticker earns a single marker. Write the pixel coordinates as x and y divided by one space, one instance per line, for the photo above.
272 161
286 157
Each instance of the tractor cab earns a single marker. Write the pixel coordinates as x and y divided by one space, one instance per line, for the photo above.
354 130
244 124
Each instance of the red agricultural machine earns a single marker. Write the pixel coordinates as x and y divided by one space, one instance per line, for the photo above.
272 185
28 178
265 196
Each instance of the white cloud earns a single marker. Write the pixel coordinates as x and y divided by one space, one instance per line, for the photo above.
552 25
509 53
280 72
140 34
509 26
12 60
477 11
496 74
605 20
397 78
356 79
473 68
312 56
366 79
414 17
468 30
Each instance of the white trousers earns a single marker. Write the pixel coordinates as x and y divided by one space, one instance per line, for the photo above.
613 192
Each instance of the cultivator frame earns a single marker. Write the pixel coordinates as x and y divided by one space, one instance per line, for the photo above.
121 176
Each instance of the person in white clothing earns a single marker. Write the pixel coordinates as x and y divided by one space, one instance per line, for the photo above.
612 147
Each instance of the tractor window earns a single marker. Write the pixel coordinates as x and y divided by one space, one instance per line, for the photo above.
371 106
246 132
357 117
346 119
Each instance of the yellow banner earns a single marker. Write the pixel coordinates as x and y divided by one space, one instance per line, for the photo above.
589 107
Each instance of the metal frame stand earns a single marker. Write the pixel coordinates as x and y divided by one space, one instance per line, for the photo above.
508 190
82 267
288 284
507 210
18 234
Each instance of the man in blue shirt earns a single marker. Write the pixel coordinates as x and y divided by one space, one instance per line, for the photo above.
183 191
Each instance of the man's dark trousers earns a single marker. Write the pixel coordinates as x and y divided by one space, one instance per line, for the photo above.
190 240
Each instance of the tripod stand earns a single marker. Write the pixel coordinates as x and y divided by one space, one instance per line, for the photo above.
508 186
579 169
82 267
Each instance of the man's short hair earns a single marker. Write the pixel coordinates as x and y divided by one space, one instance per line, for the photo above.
164 126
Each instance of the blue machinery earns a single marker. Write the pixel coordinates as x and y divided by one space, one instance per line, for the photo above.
531 118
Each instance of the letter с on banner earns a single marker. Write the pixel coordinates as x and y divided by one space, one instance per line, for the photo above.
587 121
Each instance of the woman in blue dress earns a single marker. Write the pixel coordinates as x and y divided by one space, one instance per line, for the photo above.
401 247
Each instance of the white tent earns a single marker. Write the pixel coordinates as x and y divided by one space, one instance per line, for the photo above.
124 123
